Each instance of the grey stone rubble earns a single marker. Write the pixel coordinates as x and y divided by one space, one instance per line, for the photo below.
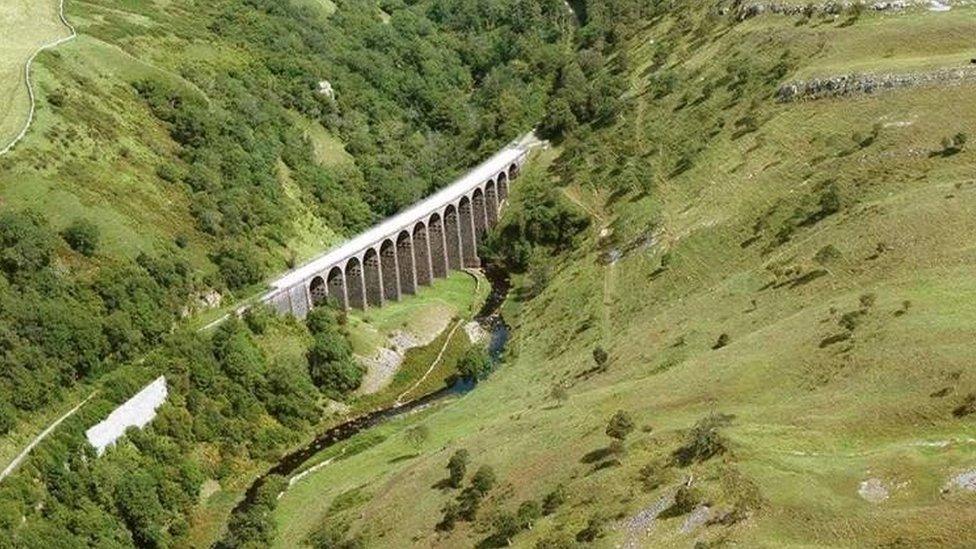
963 481
852 84
698 516
873 490
755 9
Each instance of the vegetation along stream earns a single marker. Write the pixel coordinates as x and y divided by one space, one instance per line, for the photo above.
490 319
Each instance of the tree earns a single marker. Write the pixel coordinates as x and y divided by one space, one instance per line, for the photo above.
475 364
457 466
238 267
620 426
331 364
483 480
82 235
600 357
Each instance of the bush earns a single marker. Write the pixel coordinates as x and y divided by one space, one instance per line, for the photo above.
620 426
954 144
600 356
82 235
554 500
475 364
594 529
703 441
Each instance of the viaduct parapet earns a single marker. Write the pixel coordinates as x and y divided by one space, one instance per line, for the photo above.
424 242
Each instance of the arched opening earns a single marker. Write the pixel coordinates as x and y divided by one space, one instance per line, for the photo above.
469 248
388 266
337 287
422 264
502 187
513 172
408 277
480 215
438 247
452 238
356 284
491 203
373 278
318 291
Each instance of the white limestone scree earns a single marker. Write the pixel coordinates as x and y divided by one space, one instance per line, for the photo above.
138 411
424 242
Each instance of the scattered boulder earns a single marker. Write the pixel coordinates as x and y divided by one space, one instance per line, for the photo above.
963 481
873 490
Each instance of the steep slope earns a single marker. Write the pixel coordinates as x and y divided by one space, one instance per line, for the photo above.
184 152
781 290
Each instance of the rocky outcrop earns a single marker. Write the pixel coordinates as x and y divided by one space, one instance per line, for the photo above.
753 9
853 84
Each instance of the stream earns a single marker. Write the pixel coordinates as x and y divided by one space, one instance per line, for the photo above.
490 319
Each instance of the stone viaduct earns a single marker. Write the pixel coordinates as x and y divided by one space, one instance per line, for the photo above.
411 249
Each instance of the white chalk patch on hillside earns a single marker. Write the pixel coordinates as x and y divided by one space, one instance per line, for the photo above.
138 411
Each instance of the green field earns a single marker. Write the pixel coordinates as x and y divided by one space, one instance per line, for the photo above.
846 354
25 26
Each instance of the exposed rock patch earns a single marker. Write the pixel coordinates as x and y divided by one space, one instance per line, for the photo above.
698 517
854 84
963 481
476 332
873 490
756 9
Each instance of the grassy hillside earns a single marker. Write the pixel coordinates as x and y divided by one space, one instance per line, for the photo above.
781 290
25 26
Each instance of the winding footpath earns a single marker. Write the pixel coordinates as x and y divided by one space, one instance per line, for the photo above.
30 87
37 440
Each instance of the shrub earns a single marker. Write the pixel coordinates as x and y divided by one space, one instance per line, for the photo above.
451 514
600 356
703 441
528 512
651 476
475 364
8 417
82 235
954 144
554 500
620 426
594 529
483 480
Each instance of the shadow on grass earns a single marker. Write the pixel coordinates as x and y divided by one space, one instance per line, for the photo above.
404 457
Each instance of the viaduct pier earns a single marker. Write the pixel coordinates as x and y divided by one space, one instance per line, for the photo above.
410 249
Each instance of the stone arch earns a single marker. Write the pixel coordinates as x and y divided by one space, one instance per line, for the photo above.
502 187
469 246
373 278
491 203
356 283
437 246
336 283
480 212
452 237
405 263
423 267
389 270
318 291
513 171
